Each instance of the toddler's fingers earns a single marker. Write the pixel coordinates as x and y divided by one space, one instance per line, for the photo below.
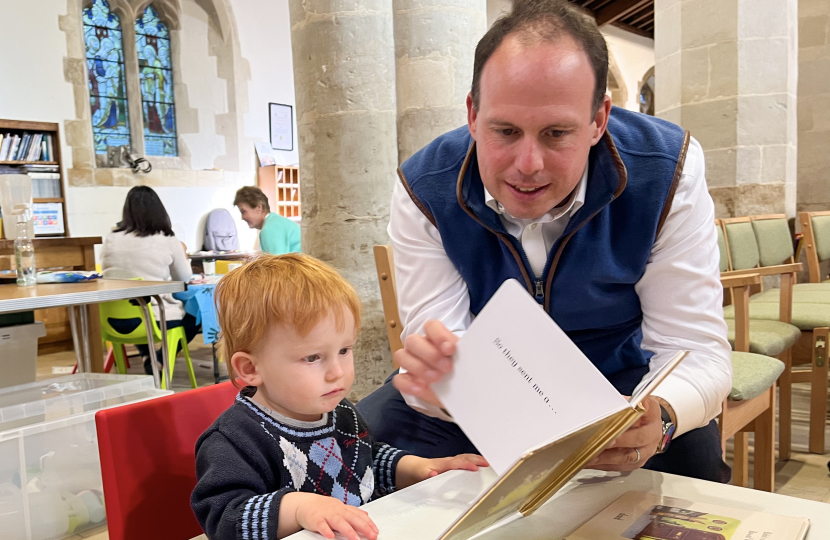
324 529
341 524
363 524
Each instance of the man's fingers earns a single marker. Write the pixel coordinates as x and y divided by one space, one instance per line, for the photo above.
422 358
406 384
441 336
635 437
620 459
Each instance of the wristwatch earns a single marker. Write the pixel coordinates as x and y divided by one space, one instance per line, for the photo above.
668 430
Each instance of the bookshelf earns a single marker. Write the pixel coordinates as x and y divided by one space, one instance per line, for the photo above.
282 187
52 187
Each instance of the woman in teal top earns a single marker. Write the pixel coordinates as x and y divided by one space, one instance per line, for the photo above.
277 235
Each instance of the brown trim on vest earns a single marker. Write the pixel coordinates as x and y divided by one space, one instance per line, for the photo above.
501 236
416 200
678 172
623 174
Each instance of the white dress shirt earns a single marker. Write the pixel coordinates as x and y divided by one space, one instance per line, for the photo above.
680 292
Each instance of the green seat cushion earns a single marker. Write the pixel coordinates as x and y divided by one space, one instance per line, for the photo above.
803 293
743 247
767 337
821 232
824 286
753 374
805 316
775 241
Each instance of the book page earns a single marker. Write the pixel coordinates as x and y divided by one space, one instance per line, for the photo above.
645 516
519 382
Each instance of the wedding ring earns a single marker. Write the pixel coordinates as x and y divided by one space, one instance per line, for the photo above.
638 455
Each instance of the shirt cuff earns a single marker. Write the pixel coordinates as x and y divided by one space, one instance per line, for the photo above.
688 405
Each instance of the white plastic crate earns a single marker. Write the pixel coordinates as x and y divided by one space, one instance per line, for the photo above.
18 352
50 477
60 397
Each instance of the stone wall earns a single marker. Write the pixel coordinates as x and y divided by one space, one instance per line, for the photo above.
726 70
813 105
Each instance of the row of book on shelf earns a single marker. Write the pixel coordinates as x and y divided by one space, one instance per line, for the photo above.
46 179
26 147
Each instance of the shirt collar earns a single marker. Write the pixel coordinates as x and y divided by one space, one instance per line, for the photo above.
577 199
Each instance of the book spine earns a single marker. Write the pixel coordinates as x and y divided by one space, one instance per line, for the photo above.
24 147
34 154
13 149
4 150
49 154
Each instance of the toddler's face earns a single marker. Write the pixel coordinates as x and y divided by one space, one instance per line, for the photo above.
306 376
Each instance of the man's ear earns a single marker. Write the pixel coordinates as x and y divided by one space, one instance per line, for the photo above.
600 123
472 115
245 369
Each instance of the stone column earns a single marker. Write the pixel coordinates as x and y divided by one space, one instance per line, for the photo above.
435 43
344 81
813 105
727 71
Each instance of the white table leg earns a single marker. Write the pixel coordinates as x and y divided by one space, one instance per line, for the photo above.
85 338
164 352
76 339
148 325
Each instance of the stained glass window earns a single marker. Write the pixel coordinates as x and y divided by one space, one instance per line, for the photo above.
105 66
156 76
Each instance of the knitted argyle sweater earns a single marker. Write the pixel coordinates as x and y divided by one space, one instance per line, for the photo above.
247 461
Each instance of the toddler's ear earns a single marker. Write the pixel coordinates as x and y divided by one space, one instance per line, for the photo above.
245 370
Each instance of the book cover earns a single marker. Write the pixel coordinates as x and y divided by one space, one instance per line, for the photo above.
648 516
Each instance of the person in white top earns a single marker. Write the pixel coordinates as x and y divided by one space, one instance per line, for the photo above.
143 246
609 209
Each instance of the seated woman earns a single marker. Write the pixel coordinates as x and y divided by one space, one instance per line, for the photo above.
143 246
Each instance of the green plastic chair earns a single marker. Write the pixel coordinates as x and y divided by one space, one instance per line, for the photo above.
124 309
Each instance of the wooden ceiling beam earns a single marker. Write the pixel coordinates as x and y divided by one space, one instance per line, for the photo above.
649 33
619 9
641 17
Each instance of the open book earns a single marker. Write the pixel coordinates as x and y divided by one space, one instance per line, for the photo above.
533 405
647 516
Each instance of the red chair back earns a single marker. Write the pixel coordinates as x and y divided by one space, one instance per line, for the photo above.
148 463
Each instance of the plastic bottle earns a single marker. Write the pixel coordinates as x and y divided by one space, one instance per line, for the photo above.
24 254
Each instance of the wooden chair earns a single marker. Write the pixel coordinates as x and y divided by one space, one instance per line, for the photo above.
385 265
763 244
750 406
816 229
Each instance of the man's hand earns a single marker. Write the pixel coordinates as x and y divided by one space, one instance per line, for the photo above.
327 515
643 436
426 360
413 469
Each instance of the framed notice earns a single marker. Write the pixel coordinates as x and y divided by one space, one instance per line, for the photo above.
281 122
48 219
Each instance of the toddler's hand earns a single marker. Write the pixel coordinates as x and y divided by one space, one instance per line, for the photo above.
464 462
326 515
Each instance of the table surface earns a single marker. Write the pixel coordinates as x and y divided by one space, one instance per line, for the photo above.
14 298
425 510
229 256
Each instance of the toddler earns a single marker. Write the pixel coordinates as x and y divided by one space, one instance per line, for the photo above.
292 452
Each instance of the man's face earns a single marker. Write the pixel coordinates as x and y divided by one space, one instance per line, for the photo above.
254 217
534 125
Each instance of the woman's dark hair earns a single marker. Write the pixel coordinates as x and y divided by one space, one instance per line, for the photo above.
546 21
144 214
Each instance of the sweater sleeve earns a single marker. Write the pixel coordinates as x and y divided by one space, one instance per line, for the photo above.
180 269
231 499
385 460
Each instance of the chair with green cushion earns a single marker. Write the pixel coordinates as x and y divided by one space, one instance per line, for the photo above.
751 403
773 337
762 244
816 229
125 309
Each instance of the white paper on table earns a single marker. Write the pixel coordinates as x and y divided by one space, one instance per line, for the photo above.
519 382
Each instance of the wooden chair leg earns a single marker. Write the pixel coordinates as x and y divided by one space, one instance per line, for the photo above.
818 390
764 473
740 465
785 407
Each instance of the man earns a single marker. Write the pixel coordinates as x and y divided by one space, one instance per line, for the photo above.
277 235
603 215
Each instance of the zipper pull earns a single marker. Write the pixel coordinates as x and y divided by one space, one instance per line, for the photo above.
540 291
